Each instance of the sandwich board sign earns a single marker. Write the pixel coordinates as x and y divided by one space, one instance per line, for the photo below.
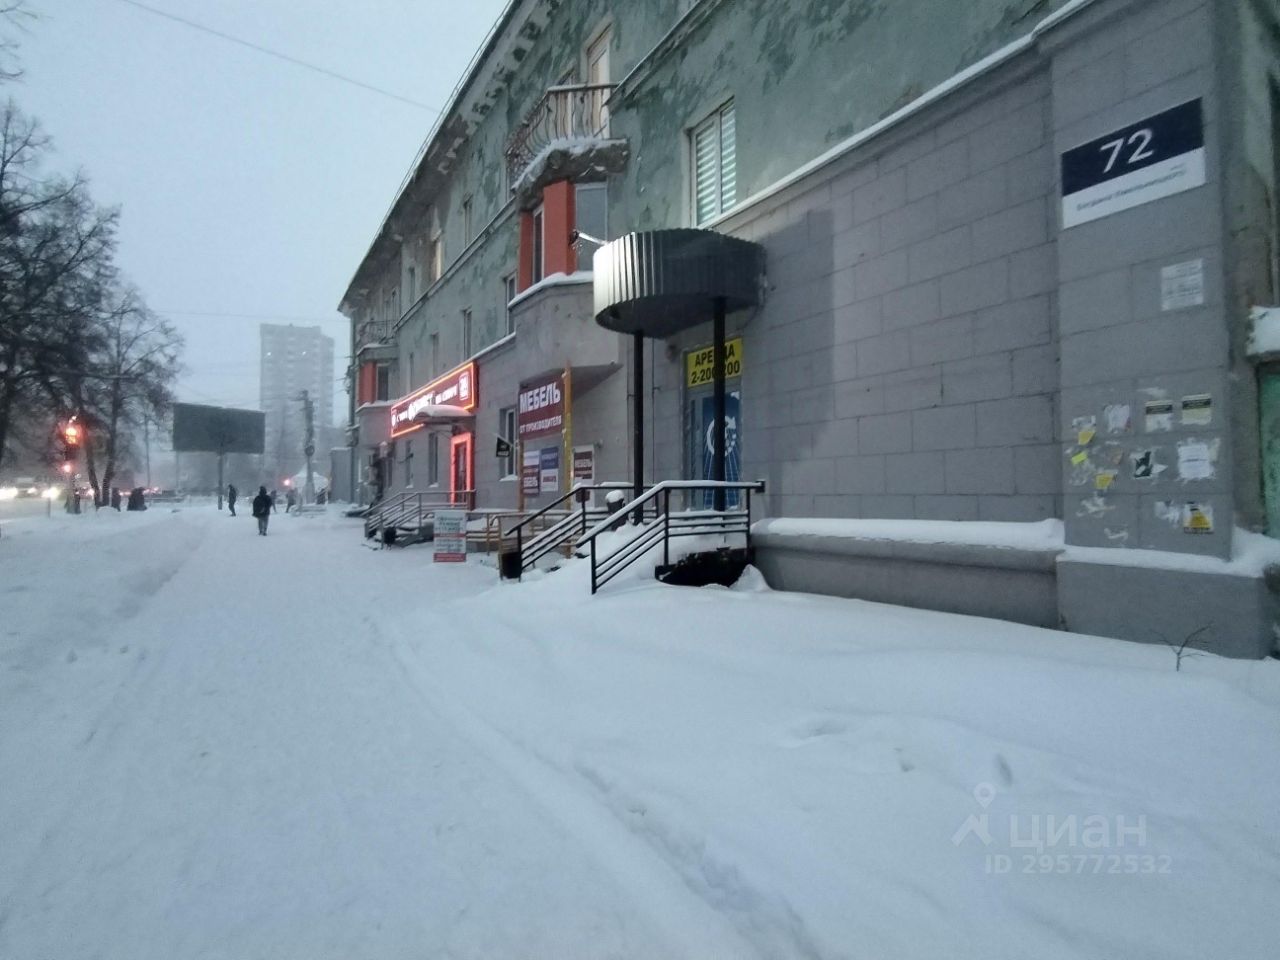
450 536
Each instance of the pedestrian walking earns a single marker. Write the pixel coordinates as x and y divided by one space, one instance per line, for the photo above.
115 498
232 493
275 501
290 500
262 510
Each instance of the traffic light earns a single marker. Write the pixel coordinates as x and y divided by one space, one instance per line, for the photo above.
72 435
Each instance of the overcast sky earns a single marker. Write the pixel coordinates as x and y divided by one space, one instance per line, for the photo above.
247 185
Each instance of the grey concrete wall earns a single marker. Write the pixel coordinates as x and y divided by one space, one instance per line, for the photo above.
903 363
1237 616
1113 65
803 76
1017 585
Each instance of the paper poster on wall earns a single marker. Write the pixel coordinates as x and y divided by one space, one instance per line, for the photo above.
549 468
1103 479
1145 465
1197 459
1182 285
584 464
1085 429
1197 410
1197 518
1152 158
529 474
1116 416
1159 416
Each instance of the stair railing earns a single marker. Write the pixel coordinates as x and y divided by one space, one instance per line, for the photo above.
666 525
555 525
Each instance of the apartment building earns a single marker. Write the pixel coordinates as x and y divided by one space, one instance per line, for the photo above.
1011 250
293 359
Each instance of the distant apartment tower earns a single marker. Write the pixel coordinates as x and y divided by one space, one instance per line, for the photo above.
293 359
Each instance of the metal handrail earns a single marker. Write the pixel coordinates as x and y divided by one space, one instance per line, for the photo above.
415 505
665 526
569 523
571 111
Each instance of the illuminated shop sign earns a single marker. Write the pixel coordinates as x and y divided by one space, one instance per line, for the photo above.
457 388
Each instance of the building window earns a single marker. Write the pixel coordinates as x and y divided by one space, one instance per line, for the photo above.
408 463
591 217
509 282
467 226
435 354
538 259
413 285
715 165
466 334
507 429
597 77
433 459
412 380
382 390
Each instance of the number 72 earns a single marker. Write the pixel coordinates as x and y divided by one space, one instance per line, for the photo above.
1142 138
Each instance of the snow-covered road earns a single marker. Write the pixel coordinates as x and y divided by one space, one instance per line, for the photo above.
218 745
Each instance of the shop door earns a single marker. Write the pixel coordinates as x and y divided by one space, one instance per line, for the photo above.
700 439
1269 421
460 477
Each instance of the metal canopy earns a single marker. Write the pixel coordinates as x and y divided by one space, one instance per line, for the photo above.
661 282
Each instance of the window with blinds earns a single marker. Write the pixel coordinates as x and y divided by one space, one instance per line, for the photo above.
715 165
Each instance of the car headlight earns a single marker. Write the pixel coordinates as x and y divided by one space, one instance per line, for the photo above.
8 493
51 493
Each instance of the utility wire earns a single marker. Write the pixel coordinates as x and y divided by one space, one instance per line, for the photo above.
278 55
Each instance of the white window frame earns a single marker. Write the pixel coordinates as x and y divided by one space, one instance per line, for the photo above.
433 459
380 395
466 333
714 121
507 430
510 283
408 463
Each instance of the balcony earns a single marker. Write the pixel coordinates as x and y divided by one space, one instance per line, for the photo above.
373 333
565 135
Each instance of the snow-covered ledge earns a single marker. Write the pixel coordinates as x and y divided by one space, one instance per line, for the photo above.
552 280
1264 336
986 569
1019 546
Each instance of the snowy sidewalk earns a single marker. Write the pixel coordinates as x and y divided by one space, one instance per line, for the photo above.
218 745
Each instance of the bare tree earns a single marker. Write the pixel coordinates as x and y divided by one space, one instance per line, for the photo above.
135 373
56 250
14 17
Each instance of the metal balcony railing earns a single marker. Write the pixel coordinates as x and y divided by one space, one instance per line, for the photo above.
373 332
578 111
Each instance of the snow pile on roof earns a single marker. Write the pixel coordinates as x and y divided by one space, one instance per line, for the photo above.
1264 338
559 279
572 146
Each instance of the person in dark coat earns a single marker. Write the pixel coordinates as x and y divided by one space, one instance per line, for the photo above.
262 510
232 493
115 498
290 500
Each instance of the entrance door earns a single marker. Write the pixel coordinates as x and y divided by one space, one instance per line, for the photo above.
700 439
1269 421
460 475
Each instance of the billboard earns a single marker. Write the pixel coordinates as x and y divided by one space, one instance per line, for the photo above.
203 429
